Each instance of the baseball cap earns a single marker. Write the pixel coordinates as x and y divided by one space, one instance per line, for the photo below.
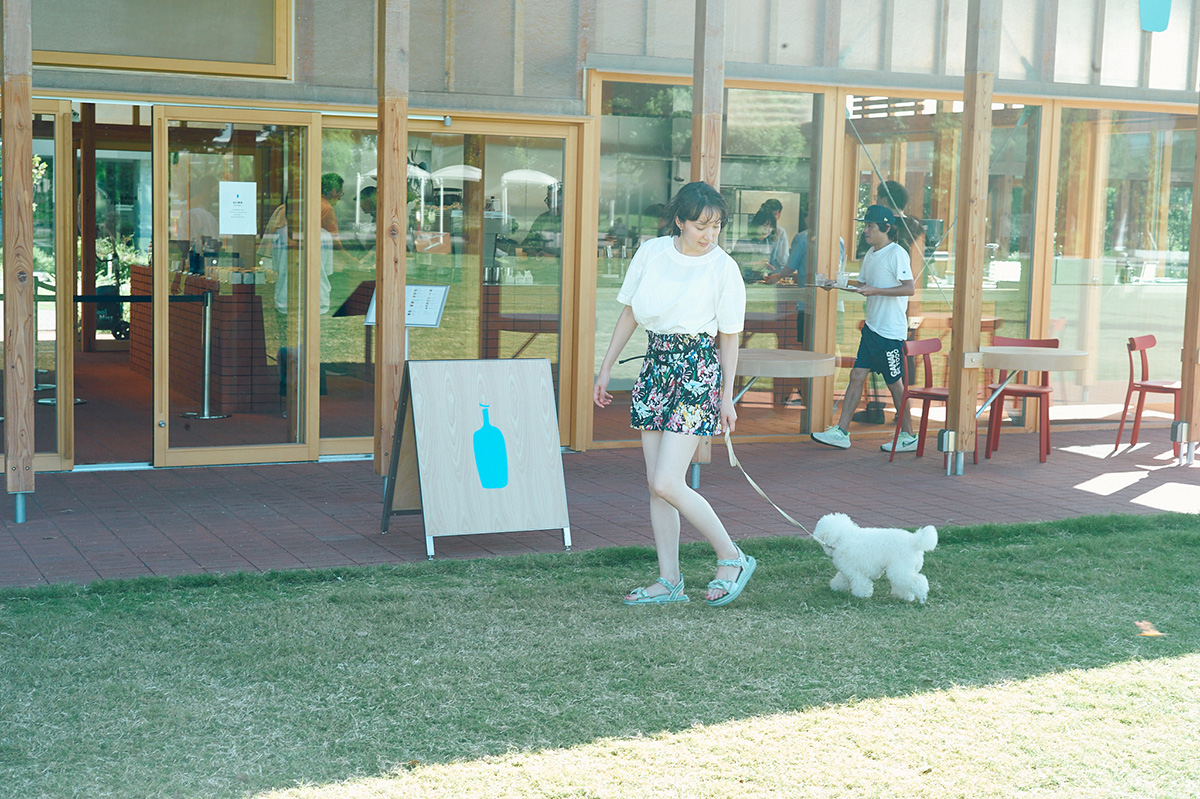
879 214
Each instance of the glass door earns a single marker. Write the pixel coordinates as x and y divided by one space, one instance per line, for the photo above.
239 256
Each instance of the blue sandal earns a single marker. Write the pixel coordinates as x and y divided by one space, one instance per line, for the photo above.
675 594
732 588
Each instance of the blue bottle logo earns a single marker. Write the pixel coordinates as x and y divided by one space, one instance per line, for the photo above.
1155 15
491 454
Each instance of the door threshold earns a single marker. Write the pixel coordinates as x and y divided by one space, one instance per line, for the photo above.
111 467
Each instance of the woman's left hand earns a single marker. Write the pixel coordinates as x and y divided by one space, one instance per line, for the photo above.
728 415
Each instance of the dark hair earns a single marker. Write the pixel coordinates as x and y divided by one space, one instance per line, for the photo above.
692 202
765 216
331 182
892 194
772 205
892 231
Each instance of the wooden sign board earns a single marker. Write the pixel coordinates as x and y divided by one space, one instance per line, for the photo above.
481 439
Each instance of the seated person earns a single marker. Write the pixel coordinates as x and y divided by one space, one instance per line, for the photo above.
544 238
798 267
753 255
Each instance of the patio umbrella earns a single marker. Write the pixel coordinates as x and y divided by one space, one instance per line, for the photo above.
527 177
459 172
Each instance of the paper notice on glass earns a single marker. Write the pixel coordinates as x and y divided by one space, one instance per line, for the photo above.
423 306
237 212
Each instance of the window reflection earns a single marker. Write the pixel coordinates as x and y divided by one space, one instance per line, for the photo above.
768 177
485 219
1121 251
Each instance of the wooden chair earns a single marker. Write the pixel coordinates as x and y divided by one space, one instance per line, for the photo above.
1143 387
926 394
1039 391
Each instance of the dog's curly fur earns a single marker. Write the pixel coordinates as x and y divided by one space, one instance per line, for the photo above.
864 554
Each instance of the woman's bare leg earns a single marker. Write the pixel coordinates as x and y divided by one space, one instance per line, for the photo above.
667 474
664 520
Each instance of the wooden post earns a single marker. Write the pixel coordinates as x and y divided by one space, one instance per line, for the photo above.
708 91
829 164
391 220
1189 398
708 106
983 41
20 333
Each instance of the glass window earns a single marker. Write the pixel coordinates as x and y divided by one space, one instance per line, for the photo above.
347 380
768 178
485 220
238 244
905 154
1121 252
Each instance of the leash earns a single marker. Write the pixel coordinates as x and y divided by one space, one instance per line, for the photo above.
733 461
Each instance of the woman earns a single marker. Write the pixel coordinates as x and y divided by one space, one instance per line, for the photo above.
685 290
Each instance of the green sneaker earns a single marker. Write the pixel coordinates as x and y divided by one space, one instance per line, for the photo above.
832 436
907 442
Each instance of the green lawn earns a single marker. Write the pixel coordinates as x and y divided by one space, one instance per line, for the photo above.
1024 675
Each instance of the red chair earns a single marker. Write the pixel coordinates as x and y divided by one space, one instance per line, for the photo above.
1039 391
926 394
1143 387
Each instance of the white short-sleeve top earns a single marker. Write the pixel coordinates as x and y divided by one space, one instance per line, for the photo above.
887 268
675 293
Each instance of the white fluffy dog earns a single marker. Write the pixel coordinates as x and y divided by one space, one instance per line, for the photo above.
864 554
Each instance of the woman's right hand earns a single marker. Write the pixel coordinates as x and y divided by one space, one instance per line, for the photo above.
600 394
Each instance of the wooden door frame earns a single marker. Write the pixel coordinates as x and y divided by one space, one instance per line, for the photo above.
309 448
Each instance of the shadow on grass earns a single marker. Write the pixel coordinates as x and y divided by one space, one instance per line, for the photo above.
248 682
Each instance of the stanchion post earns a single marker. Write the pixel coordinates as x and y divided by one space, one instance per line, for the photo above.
207 346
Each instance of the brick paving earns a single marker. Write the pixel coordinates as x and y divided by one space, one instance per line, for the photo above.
86 526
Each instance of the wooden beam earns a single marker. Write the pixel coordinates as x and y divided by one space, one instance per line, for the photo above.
708 91
1044 220
20 330
1047 42
1189 399
983 41
708 100
831 40
828 166
391 219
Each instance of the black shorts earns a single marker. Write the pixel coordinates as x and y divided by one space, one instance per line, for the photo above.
879 354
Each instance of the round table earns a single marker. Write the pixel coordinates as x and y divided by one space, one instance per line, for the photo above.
783 363
1033 359
1015 360
755 363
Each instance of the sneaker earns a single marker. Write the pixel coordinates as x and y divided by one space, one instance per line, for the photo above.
832 436
906 443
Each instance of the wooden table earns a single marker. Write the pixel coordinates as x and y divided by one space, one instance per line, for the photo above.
1015 360
755 363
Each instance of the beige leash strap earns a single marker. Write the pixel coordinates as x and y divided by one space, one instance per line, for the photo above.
733 461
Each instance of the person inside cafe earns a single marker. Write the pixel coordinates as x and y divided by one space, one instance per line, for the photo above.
797 269
780 246
753 254
544 239
886 282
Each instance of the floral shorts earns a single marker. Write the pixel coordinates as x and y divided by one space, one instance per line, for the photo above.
679 388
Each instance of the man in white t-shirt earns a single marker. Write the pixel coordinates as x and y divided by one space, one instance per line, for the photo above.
886 281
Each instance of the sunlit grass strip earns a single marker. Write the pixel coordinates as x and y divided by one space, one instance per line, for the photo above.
1130 729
